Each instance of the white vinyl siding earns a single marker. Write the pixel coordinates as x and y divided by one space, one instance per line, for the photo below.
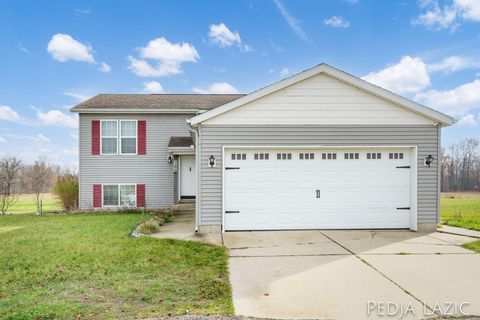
320 100
109 136
128 136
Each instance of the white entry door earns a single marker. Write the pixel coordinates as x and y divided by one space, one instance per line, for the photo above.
362 188
188 177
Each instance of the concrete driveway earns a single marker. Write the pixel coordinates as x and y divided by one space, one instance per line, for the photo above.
351 274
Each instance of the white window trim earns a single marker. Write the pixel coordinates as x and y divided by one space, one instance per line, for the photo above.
118 185
101 137
120 137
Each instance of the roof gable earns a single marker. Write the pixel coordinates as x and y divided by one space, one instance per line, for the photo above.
338 75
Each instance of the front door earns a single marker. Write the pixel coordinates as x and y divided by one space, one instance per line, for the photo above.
188 177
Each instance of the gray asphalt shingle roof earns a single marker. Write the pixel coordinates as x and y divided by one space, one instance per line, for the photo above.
156 101
180 142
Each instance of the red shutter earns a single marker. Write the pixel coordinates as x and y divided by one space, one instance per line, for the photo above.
140 195
142 136
97 195
95 137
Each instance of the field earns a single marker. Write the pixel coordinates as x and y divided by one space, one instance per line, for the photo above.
26 204
87 267
461 210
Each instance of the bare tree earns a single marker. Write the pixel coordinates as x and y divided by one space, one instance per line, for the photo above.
40 178
9 182
460 167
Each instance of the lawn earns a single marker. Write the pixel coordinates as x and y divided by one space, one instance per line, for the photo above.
26 204
461 210
87 267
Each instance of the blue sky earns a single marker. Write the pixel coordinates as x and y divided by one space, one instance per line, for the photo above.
57 53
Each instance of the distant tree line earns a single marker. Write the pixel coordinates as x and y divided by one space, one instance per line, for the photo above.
17 178
460 166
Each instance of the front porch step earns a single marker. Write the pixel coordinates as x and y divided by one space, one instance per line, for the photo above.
184 208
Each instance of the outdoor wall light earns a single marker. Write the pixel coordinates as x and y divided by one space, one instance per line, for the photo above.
211 161
169 159
428 160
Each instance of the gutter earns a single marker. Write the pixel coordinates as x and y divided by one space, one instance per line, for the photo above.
195 133
128 111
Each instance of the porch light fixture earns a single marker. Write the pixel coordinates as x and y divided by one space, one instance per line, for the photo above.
169 159
428 160
211 161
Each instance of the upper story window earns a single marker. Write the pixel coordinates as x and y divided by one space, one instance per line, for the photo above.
119 136
109 133
128 136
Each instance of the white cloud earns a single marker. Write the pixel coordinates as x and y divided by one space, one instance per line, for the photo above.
41 138
57 118
457 101
221 35
79 96
284 72
467 120
22 48
408 76
7 113
291 20
453 64
448 16
167 57
337 22
104 67
3 140
218 88
469 9
153 87
74 136
63 47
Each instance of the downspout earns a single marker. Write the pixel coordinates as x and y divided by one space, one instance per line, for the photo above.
196 136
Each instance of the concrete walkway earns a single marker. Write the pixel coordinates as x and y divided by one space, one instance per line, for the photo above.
459 231
183 228
343 274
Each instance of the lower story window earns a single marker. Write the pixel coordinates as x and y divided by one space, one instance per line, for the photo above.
123 195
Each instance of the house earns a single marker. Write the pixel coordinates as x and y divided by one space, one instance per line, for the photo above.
319 150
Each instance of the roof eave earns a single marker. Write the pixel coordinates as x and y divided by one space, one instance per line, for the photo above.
130 111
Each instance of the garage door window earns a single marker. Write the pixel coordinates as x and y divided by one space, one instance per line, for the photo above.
239 156
351 156
306 156
395 155
374 156
261 156
284 156
329 156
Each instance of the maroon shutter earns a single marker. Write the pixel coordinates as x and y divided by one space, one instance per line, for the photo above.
97 195
142 136
95 137
140 195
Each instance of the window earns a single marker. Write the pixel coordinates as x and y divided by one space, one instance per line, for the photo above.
109 132
284 156
261 156
374 156
396 155
110 195
351 156
128 136
329 156
239 156
123 195
307 156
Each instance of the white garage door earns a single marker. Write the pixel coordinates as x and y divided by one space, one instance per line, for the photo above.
267 189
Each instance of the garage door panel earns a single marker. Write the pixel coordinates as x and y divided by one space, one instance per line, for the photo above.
282 194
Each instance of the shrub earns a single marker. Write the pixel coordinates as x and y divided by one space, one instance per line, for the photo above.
149 227
66 188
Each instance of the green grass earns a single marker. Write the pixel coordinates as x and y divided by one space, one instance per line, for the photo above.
474 246
26 204
461 211
87 267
